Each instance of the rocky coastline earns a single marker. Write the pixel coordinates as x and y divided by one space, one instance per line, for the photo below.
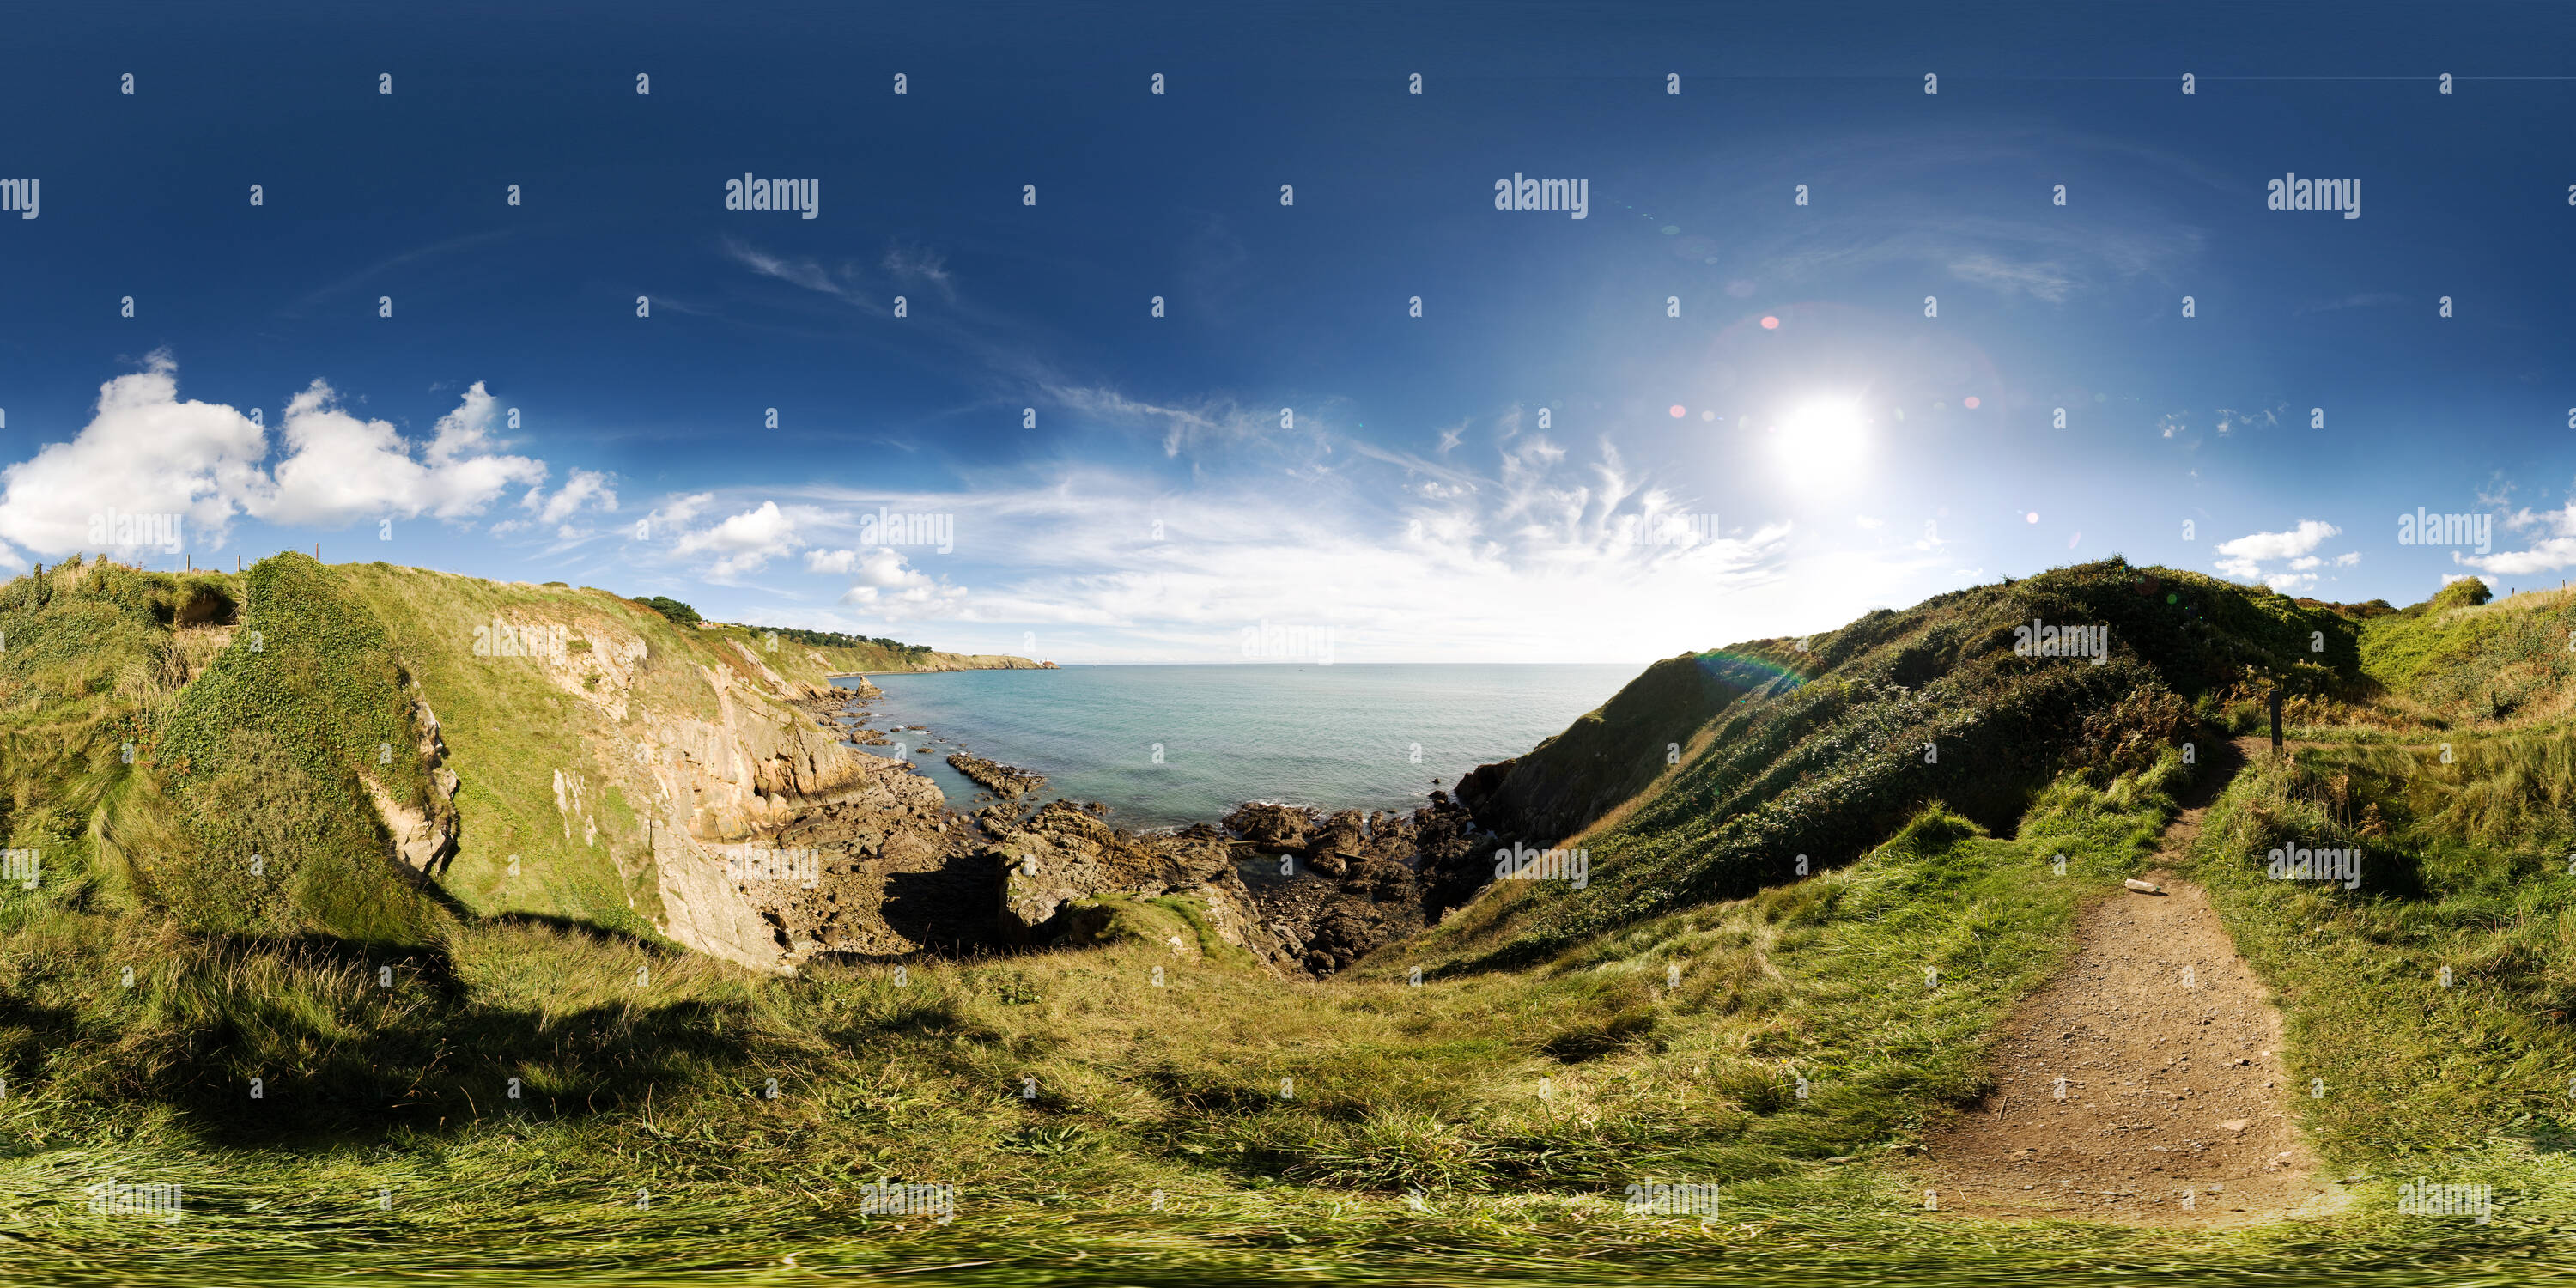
898 871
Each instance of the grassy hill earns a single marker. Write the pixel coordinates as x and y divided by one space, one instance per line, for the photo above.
217 745
1824 747
1154 1110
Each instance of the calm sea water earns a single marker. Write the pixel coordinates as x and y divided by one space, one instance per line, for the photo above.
1337 737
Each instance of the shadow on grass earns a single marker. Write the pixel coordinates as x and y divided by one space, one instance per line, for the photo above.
263 1043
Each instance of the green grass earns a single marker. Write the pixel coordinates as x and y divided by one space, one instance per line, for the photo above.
1828 751
2479 663
2413 1069
1520 1103
1653 1027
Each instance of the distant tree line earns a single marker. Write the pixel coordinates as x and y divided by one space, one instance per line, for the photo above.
835 639
683 615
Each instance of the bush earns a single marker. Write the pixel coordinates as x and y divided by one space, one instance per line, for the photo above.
679 613
2467 592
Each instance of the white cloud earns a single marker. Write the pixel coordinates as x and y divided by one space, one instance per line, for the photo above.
2243 557
743 543
884 569
834 562
917 264
2553 546
340 469
1211 421
2229 418
584 488
2281 545
813 275
146 452
1550 554
143 452
886 585
677 511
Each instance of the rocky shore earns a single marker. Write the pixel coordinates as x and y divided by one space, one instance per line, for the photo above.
1000 780
895 870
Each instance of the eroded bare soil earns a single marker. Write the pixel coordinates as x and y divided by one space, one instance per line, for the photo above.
2175 1110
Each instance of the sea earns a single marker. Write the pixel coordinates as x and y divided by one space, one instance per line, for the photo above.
1166 746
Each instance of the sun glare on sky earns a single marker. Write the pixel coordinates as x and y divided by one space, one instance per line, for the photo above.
1823 442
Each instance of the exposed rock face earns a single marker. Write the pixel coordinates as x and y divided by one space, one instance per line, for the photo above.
754 768
598 667
1278 829
773 844
423 838
1354 885
867 872
1063 853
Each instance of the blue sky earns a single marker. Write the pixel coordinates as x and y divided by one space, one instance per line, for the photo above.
1121 487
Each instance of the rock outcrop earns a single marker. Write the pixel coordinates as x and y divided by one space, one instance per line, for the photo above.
772 844
1063 853
1353 884
1001 780
424 836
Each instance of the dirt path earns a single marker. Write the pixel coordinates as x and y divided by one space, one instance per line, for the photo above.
2169 1049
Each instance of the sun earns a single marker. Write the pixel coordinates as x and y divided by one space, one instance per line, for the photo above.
1823 443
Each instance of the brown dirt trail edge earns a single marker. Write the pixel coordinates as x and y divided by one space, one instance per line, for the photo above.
2170 1049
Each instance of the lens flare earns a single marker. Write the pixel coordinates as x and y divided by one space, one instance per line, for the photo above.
1823 443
